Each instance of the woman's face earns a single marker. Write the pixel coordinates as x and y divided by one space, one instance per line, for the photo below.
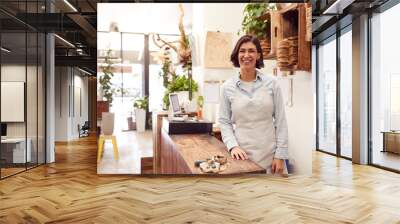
248 55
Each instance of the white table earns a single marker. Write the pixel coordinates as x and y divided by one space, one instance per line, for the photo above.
19 153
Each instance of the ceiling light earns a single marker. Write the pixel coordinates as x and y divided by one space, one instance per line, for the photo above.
70 5
5 50
64 40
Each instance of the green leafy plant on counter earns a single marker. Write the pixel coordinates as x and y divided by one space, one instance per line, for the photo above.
141 103
179 83
252 21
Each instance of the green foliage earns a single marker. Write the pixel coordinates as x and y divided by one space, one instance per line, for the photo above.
167 69
105 79
179 83
121 91
165 72
252 22
141 103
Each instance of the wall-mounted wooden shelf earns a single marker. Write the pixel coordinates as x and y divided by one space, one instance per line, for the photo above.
287 32
266 43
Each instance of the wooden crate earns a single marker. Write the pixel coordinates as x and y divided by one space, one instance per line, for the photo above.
293 24
276 33
289 22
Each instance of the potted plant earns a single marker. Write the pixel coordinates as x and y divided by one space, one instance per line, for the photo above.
255 23
140 106
181 85
105 79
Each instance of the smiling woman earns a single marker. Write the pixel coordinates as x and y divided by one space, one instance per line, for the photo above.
253 102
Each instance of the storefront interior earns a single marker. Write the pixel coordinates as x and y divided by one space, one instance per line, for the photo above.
344 82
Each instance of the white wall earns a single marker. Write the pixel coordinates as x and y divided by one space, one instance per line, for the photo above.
68 83
61 103
17 73
213 17
227 18
301 131
81 84
301 120
14 73
33 127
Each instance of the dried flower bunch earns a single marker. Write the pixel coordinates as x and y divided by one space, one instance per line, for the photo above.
171 81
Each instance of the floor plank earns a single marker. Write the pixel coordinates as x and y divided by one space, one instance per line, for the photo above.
70 191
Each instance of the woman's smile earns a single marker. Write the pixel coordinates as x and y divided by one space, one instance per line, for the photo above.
247 61
248 55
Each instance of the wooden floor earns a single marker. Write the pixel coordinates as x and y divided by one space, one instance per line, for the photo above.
132 146
387 159
10 171
70 191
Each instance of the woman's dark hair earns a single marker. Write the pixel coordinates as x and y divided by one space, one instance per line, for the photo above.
242 40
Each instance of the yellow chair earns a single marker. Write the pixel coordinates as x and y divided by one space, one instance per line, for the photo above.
102 140
107 129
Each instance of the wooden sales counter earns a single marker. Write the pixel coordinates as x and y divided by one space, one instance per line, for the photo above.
179 152
176 154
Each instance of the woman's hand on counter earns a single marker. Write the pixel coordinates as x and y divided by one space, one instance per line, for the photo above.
277 166
238 153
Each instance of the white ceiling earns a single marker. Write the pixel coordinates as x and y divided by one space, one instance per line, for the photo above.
143 17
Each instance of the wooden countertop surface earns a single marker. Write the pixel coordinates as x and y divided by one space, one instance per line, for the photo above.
194 147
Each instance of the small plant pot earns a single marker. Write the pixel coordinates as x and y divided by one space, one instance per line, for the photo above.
131 124
140 120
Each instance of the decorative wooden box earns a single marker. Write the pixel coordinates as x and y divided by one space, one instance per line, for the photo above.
294 29
288 37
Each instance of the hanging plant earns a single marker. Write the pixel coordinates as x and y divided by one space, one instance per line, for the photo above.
253 23
183 50
163 57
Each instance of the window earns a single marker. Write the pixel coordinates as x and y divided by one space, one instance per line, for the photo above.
156 80
385 89
128 71
327 96
346 93
334 73
22 69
